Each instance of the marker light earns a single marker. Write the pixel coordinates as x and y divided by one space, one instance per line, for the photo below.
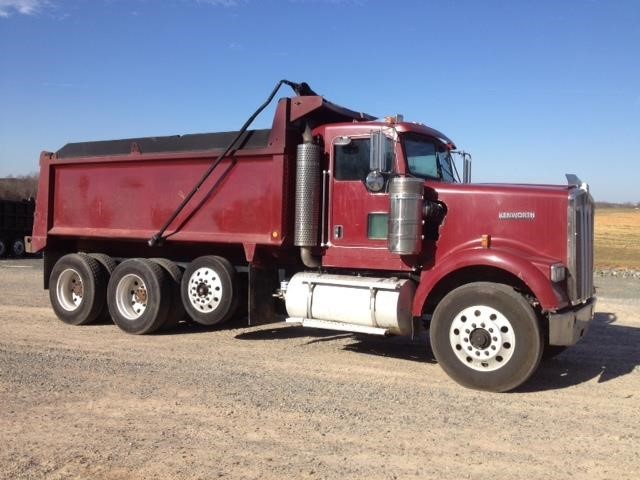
558 272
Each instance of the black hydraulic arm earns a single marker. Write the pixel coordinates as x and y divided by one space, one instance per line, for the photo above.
301 89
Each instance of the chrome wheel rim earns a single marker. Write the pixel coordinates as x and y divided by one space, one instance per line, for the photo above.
70 290
205 290
482 338
131 296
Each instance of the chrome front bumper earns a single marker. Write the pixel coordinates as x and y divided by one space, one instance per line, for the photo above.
567 327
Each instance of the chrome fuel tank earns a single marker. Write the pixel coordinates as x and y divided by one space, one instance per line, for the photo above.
383 303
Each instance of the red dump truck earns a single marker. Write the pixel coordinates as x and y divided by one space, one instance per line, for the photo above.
357 224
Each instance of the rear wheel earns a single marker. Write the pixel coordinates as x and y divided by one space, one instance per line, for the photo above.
209 290
3 247
139 296
108 264
176 311
486 336
77 289
17 248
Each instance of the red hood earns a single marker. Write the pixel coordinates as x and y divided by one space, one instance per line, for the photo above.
529 218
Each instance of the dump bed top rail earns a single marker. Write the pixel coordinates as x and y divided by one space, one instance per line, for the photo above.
173 143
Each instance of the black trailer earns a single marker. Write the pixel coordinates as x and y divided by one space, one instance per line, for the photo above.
16 222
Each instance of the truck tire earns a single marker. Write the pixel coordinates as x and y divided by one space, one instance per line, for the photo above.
176 311
77 289
106 261
139 296
3 247
486 336
17 248
108 264
209 290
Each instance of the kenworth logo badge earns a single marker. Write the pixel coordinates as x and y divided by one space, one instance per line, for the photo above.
517 215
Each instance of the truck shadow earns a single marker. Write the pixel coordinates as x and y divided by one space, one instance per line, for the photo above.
188 327
289 332
402 348
608 351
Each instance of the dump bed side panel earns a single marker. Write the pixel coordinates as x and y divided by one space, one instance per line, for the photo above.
131 198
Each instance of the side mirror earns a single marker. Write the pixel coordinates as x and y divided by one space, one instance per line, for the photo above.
466 167
377 159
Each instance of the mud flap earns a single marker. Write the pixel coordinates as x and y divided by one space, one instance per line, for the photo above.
263 283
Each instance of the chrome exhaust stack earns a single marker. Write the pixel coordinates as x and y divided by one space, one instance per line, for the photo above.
307 207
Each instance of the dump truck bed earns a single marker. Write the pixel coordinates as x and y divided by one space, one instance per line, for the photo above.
125 190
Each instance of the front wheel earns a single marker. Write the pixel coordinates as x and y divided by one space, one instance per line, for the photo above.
486 336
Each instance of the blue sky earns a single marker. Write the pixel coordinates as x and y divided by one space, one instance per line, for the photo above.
533 89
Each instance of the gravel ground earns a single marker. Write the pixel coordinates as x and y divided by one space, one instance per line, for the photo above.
618 272
278 401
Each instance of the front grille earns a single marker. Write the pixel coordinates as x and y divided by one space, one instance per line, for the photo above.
580 246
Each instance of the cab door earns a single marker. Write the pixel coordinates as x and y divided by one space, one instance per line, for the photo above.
358 214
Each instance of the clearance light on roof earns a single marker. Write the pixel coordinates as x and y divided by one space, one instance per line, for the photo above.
392 120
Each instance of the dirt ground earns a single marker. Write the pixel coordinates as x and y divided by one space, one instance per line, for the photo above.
278 402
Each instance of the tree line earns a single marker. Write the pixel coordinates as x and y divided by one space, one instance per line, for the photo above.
20 187
617 205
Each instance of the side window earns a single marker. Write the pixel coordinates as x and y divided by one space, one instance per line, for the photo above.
352 160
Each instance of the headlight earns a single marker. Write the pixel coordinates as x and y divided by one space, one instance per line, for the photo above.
558 272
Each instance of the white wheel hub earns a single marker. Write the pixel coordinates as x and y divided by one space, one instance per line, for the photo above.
69 289
131 296
482 338
205 290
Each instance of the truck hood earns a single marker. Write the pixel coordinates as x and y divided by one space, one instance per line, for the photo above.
531 219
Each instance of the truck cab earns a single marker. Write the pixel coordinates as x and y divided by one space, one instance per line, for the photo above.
362 160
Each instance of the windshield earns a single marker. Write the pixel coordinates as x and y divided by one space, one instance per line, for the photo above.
427 158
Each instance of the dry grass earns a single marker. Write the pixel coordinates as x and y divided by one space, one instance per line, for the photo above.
617 232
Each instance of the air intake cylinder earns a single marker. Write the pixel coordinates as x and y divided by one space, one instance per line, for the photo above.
307 195
405 215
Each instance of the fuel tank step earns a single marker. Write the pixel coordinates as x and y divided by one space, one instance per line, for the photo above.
339 326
